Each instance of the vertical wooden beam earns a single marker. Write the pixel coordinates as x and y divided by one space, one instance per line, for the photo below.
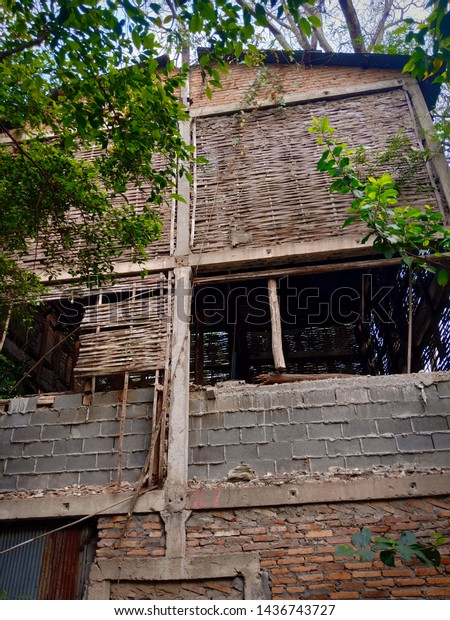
410 321
430 138
277 336
123 413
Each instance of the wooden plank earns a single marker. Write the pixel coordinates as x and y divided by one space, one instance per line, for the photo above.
277 336
269 379
299 271
303 97
123 413
431 140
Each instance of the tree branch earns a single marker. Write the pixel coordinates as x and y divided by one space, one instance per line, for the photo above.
319 31
380 29
24 46
276 33
300 36
354 27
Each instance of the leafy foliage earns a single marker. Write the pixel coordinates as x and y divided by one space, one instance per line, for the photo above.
366 547
418 235
435 62
77 75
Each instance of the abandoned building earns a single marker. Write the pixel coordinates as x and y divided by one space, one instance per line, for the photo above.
156 458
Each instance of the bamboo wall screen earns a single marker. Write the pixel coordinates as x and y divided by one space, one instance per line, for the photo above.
126 330
262 186
134 195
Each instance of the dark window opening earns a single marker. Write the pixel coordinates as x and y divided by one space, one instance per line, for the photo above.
348 322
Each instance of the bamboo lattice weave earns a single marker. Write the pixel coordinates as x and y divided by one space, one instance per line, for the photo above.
262 186
136 196
126 334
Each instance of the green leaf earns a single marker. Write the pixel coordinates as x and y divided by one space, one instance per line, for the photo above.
196 23
177 197
365 555
363 538
344 551
315 21
405 552
407 538
305 26
442 277
136 38
349 220
388 557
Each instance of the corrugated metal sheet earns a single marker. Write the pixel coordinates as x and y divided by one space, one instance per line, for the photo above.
20 569
51 568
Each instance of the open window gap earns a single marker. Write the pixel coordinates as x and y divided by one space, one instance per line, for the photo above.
352 322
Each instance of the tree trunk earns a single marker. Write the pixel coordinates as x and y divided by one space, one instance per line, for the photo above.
353 26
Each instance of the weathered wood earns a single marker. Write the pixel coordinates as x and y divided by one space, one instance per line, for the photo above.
431 140
303 97
123 413
277 335
253 197
129 335
299 271
269 379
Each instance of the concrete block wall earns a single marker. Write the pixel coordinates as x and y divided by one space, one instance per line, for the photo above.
68 443
311 426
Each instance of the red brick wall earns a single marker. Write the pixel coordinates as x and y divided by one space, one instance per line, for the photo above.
141 536
297 544
294 78
202 589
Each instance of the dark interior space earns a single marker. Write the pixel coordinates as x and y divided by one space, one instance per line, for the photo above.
346 322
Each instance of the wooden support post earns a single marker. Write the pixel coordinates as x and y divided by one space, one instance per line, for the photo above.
277 336
431 140
123 413
410 321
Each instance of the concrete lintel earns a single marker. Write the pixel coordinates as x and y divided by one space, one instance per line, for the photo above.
316 491
77 506
303 97
162 569
286 253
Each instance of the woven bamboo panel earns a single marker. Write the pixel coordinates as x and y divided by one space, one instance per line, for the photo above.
262 186
134 195
125 334
148 283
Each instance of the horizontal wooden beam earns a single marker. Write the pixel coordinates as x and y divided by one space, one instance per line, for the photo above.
303 97
299 271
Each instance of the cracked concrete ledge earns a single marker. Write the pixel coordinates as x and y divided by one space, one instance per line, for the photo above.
316 492
191 568
245 495
77 506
